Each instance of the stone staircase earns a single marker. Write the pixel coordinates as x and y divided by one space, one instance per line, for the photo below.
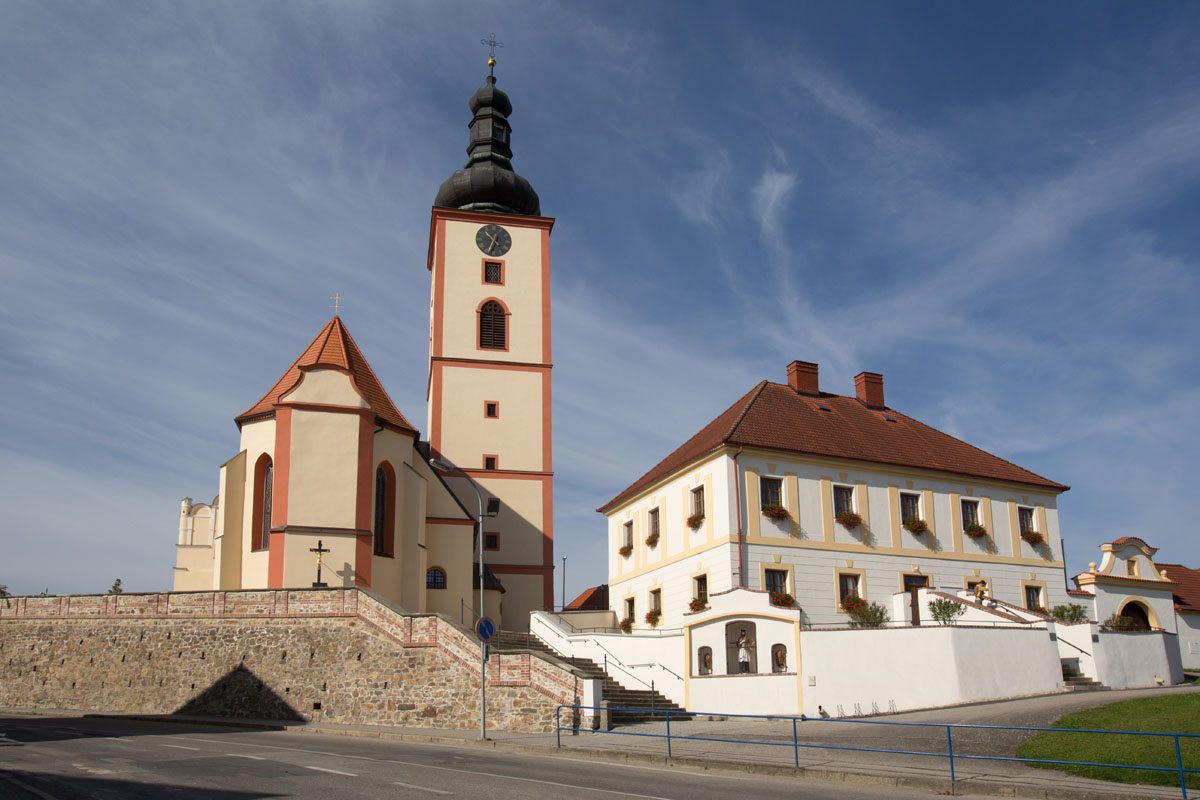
638 705
1077 681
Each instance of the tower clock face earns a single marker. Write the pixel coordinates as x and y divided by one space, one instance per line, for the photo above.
493 240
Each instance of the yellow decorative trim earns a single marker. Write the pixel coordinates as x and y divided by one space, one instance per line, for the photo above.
894 515
790 580
927 502
1149 609
1090 578
710 505
1014 528
956 531
985 512
793 497
838 572
827 509
753 531
864 507
1041 585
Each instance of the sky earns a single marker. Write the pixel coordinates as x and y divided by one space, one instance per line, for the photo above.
993 204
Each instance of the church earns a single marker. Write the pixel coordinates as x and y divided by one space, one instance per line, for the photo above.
329 472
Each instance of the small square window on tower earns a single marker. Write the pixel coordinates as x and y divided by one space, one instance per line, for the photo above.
489 462
493 272
491 409
491 541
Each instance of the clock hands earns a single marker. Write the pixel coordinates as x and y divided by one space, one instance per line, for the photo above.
492 247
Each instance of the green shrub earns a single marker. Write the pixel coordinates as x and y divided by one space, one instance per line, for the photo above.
869 616
945 610
1116 622
1071 613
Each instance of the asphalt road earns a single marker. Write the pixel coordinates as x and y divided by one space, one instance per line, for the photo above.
73 758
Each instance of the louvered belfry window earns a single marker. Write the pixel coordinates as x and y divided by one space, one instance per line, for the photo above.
492 326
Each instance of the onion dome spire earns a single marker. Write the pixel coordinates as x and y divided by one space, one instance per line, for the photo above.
487 181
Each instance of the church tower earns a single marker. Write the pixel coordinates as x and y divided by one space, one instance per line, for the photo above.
489 352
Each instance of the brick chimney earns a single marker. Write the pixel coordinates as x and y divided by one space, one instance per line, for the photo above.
868 386
802 376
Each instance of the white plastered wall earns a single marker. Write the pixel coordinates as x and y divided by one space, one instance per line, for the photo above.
1132 660
1188 628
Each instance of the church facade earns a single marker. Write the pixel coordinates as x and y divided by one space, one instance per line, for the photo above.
328 468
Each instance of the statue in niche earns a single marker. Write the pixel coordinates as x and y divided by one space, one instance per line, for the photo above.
780 661
743 646
706 663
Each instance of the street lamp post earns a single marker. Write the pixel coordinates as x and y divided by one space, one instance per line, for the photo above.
493 508
564 582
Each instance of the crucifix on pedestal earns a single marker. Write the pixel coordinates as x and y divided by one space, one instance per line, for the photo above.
319 550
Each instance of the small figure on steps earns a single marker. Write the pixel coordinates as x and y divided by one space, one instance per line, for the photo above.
824 714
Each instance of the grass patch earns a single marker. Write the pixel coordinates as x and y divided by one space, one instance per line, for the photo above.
1163 714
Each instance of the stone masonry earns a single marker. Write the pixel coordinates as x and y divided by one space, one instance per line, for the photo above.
340 655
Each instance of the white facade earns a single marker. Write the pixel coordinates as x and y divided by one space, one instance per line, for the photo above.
812 550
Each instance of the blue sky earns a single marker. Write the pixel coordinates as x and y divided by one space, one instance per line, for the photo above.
993 204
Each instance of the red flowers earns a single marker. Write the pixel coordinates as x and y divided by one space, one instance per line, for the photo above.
848 519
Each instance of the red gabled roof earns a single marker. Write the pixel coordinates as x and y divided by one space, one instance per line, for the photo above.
593 599
1187 593
776 417
333 347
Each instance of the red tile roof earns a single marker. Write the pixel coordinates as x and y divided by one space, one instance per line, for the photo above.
593 599
776 417
1187 593
333 347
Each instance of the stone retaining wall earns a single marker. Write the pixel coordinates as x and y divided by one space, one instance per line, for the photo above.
339 655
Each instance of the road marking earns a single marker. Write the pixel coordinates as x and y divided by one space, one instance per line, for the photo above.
334 771
179 747
119 739
420 788
243 755
526 780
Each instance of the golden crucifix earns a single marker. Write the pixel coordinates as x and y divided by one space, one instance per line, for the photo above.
319 550
337 303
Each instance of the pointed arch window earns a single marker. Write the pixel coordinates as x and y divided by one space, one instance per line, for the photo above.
384 528
264 478
493 326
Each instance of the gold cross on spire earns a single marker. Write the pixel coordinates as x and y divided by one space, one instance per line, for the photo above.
490 42
337 303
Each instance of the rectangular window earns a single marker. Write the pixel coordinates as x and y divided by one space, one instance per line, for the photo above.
652 523
491 409
489 462
970 513
700 588
843 499
771 490
656 600
629 608
848 585
971 584
910 506
915 582
1131 568
491 541
628 534
698 500
1025 519
1033 598
776 580
493 272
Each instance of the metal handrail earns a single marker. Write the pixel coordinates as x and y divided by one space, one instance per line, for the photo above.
796 745
656 664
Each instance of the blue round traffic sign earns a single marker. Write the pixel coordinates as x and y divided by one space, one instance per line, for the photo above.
485 628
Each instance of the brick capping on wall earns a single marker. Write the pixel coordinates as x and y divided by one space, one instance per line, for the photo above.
62 652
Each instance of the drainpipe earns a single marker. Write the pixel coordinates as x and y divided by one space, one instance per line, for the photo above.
737 493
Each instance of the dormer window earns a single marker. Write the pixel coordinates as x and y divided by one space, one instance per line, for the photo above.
1131 567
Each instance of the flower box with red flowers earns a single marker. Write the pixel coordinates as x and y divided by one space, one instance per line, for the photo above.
975 530
1033 537
626 550
848 519
652 540
653 616
697 605
782 599
777 513
695 520
853 602
626 625
915 526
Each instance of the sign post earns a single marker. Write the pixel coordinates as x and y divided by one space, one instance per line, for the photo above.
485 629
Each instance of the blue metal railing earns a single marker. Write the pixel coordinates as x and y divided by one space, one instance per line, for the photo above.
797 745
